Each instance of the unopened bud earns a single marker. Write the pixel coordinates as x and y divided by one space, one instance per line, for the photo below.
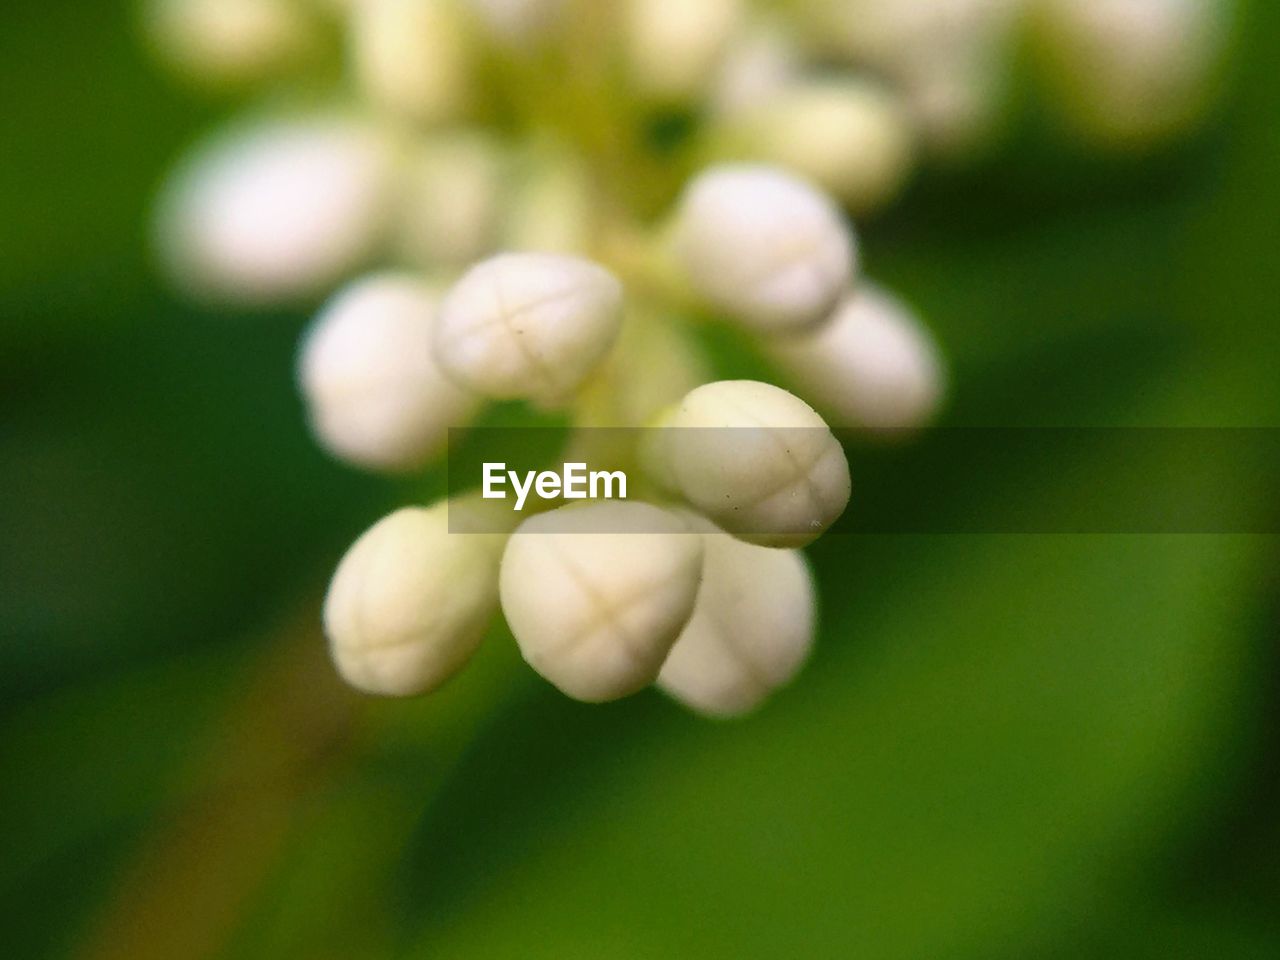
410 603
411 57
528 325
674 46
759 462
949 57
959 103
374 392
751 630
230 43
768 249
873 364
899 36
278 212
852 137
758 65
1130 72
597 594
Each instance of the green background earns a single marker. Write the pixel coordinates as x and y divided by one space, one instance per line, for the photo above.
1005 746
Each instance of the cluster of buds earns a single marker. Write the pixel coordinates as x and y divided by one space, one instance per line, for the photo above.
539 201
698 583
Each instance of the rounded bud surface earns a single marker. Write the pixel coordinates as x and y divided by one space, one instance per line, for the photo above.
597 594
959 104
231 43
279 211
760 63
1130 72
375 395
411 57
768 249
410 602
751 630
853 137
754 459
528 325
673 47
900 36
872 365
950 59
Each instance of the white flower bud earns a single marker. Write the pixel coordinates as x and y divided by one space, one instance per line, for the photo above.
754 459
950 56
519 23
374 393
758 65
673 47
411 57
451 206
751 630
899 36
597 594
873 364
530 325
852 137
1133 71
958 103
277 212
410 602
765 247
230 42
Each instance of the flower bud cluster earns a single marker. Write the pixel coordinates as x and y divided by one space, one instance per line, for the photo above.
539 201
603 600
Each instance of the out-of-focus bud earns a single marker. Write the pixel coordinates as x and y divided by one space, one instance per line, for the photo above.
759 64
759 462
872 365
1130 72
451 207
951 58
597 594
550 206
652 367
230 43
410 602
751 630
959 103
767 248
673 47
279 211
520 24
852 137
412 57
899 36
374 393
528 325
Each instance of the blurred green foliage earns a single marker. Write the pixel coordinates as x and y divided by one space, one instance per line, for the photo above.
1005 746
